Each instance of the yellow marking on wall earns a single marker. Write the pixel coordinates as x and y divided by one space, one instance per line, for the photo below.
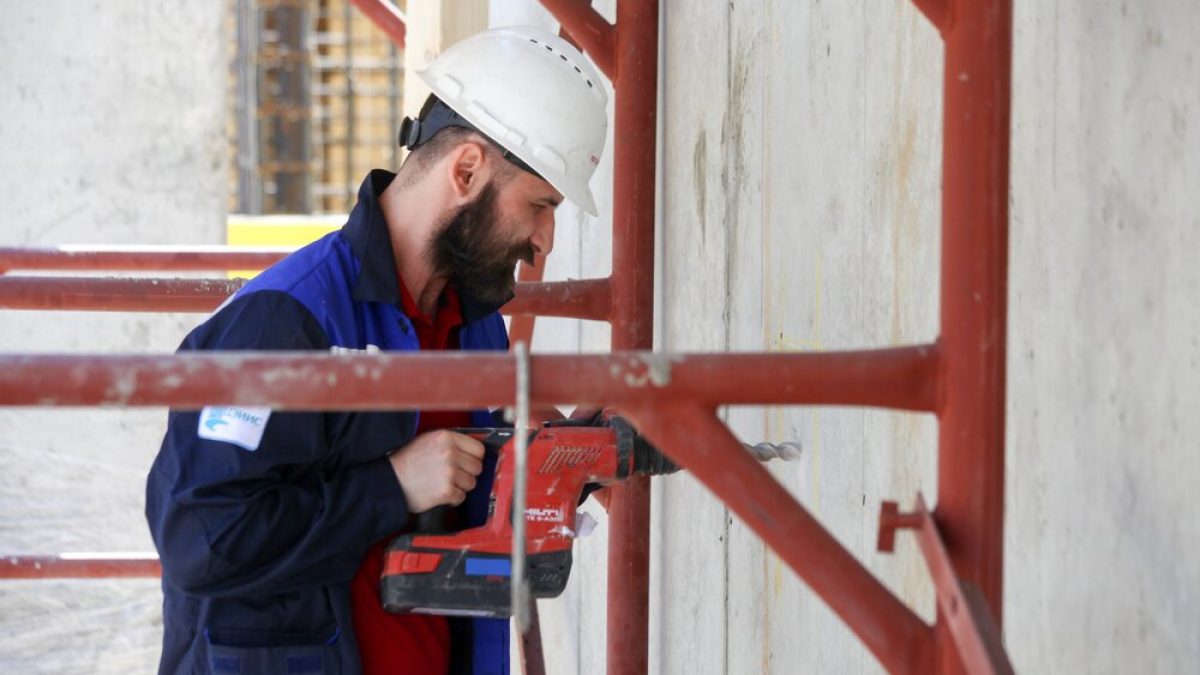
774 425
290 231
782 343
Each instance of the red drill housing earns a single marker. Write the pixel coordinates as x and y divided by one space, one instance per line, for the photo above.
468 572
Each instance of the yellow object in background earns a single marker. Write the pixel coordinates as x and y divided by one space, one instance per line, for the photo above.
277 231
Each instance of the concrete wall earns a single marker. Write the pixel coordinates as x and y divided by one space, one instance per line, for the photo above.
431 26
800 177
800 191
1103 549
112 125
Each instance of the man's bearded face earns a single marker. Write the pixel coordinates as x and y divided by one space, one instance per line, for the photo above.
476 250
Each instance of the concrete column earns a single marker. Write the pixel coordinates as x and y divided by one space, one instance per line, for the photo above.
113 129
432 26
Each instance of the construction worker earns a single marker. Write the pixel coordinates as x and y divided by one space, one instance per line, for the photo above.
270 525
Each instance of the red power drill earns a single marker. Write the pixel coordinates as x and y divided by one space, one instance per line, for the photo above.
468 572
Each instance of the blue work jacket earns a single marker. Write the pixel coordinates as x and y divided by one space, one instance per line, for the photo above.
262 518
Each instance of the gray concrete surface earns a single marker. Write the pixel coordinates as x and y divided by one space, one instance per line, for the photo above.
800 191
112 125
1103 563
801 179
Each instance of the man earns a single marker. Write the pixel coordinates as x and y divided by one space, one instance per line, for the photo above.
270 524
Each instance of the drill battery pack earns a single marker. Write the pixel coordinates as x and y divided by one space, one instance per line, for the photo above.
464 583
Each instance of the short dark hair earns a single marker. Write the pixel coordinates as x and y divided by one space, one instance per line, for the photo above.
437 147
449 130
420 160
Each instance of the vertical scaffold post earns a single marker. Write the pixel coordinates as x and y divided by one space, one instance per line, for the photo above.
636 86
974 284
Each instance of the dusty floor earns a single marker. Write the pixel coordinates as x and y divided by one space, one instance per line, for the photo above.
58 494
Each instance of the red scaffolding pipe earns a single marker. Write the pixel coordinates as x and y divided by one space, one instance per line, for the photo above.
960 603
694 438
974 287
579 299
113 294
903 377
935 10
590 31
589 299
634 187
140 258
88 566
386 16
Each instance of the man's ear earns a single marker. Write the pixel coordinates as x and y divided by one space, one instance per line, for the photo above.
468 170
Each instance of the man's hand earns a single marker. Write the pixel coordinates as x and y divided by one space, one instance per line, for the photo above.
436 468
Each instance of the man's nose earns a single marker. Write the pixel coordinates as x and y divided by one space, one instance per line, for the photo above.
543 233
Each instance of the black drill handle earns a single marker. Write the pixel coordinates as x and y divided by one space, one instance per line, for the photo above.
433 521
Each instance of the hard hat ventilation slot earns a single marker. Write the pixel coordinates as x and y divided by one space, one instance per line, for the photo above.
565 60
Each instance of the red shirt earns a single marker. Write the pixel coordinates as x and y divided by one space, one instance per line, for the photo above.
408 644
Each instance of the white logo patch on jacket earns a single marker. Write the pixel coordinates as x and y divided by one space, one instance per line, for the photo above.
369 349
241 426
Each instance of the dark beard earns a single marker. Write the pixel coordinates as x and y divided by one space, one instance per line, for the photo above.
472 252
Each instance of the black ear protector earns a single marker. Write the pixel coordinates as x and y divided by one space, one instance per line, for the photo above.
435 116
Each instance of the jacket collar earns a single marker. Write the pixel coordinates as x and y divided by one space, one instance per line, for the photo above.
367 232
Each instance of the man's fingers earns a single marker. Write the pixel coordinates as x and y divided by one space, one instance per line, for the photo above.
464 481
454 496
467 444
468 464
438 467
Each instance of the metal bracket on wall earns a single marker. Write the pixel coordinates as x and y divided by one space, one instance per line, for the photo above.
960 603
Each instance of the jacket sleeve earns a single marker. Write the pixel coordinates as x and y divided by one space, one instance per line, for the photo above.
247 501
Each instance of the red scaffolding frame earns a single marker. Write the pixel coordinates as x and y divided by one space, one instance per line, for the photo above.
673 398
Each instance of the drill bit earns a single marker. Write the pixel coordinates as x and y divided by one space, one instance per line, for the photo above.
763 452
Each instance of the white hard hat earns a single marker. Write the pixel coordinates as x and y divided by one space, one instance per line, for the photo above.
534 95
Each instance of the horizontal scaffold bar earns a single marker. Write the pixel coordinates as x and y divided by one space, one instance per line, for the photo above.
903 378
141 258
80 566
575 299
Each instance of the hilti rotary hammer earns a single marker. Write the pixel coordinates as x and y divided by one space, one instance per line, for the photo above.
468 572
